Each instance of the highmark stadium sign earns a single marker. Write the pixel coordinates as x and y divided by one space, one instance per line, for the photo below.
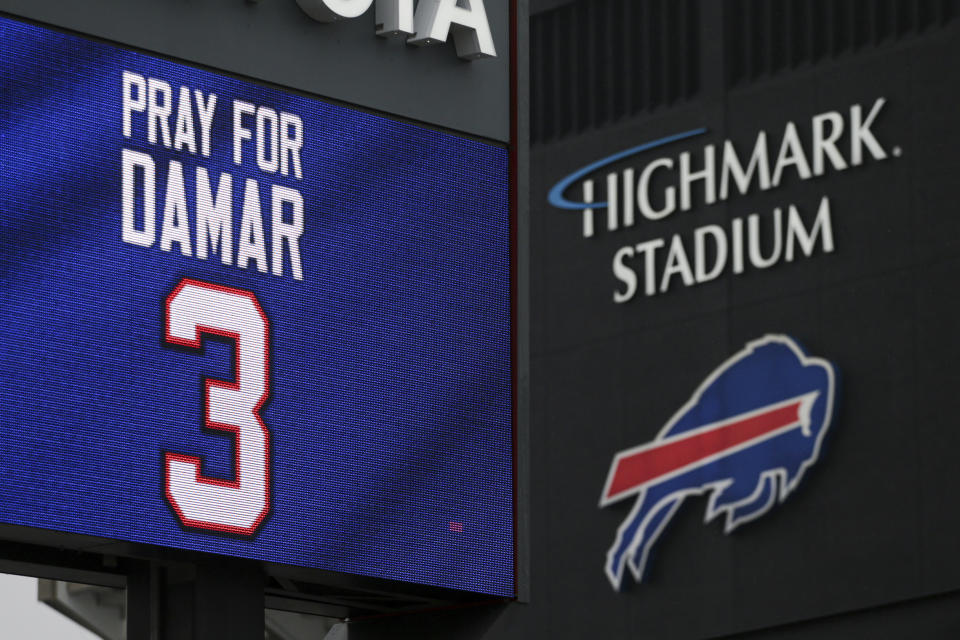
248 322
656 189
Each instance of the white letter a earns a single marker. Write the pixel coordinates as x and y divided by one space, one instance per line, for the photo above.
471 32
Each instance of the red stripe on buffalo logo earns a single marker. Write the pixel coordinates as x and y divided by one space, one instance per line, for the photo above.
638 467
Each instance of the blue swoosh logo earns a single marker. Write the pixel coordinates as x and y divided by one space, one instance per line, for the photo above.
556 193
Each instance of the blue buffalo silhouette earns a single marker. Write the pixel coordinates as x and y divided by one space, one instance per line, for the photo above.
770 378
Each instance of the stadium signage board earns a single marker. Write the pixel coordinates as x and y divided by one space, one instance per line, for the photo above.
248 322
634 189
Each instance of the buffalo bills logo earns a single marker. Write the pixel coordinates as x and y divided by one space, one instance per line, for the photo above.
746 436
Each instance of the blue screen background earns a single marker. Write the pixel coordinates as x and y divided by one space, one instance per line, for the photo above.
390 407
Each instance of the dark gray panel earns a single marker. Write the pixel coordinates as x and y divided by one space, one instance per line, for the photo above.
874 522
539 6
599 62
276 42
934 617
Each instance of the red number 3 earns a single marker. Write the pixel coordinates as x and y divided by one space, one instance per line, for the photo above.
235 506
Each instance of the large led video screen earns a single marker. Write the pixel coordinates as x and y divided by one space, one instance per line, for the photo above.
249 322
